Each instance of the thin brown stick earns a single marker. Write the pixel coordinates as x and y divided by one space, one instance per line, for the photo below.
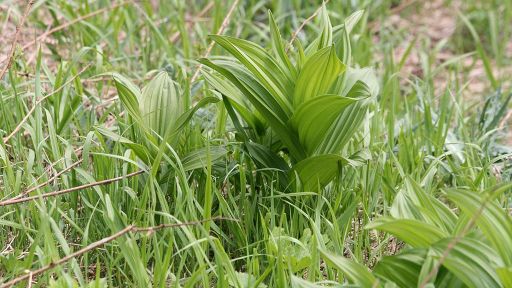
394 10
205 10
16 200
222 27
10 56
42 37
296 32
505 119
25 119
50 167
130 228
67 24
39 186
7 17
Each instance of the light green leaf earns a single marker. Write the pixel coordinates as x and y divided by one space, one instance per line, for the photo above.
141 151
199 157
262 66
402 269
242 105
413 202
130 96
265 157
347 122
298 282
352 76
317 76
318 170
313 119
184 118
470 260
493 220
161 103
342 36
357 273
505 274
325 38
278 48
246 280
413 232
270 110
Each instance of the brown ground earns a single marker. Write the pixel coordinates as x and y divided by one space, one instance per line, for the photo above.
431 22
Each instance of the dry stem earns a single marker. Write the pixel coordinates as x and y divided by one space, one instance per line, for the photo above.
15 41
222 27
17 200
130 228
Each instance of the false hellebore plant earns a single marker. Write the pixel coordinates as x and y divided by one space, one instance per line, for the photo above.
300 114
160 115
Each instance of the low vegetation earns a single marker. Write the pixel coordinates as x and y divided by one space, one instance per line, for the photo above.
255 144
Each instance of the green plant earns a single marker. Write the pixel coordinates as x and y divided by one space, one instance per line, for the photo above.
443 249
436 183
160 114
313 106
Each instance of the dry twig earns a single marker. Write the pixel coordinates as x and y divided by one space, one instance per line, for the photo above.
222 27
26 192
296 32
10 56
43 36
17 200
18 127
205 10
99 243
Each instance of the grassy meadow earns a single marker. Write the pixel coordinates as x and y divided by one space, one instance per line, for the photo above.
255 143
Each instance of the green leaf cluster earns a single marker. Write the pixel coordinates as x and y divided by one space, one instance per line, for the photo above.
308 106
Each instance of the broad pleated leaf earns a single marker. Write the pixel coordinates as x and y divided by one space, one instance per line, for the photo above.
470 260
264 102
313 119
185 117
505 275
246 280
402 269
141 151
359 158
318 170
317 76
241 104
262 66
199 157
130 96
357 273
341 36
298 282
347 123
493 220
161 103
348 79
413 232
278 48
325 38
413 202
352 20
265 157
250 88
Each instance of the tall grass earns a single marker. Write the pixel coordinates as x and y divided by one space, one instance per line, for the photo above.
316 163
